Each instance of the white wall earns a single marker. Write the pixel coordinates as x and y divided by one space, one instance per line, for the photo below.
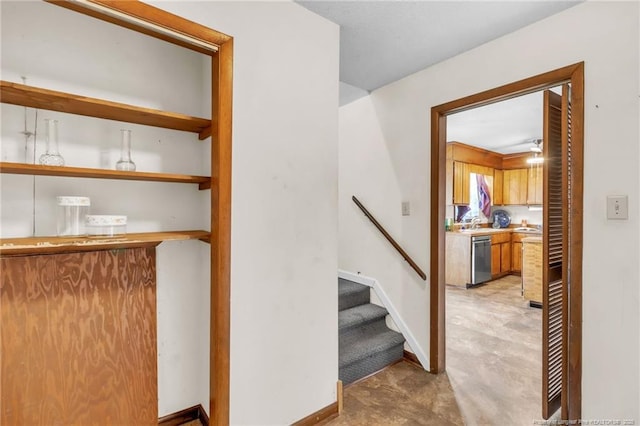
365 171
605 36
284 339
284 215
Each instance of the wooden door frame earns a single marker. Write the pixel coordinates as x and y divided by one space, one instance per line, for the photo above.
573 74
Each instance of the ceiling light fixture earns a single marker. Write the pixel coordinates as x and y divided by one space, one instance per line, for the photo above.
537 153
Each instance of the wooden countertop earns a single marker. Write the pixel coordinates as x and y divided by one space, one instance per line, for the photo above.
491 231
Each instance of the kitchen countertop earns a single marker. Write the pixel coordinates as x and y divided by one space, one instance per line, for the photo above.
534 240
490 231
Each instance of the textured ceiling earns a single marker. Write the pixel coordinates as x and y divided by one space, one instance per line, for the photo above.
383 41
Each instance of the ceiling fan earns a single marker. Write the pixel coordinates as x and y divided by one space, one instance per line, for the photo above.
537 157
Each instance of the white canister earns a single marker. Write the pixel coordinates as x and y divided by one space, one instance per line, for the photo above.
99 225
71 215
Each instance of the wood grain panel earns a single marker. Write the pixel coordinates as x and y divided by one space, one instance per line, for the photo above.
532 269
517 160
472 154
458 259
79 338
497 199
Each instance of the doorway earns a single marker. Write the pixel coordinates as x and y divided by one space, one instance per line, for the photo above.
569 399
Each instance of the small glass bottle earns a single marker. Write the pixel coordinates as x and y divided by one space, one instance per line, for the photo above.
51 157
125 163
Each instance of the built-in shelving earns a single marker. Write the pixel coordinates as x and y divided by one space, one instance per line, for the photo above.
35 97
204 182
52 245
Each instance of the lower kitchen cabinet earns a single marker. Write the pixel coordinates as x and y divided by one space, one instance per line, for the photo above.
500 254
516 252
532 270
458 259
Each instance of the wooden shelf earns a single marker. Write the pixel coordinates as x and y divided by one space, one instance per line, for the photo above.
35 97
204 182
52 245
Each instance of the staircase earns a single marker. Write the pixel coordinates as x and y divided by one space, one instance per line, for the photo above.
366 343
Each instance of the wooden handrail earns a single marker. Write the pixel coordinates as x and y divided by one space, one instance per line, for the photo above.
389 238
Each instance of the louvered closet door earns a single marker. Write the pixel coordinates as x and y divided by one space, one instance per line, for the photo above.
556 146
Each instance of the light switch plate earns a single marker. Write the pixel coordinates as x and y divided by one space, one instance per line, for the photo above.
406 208
617 207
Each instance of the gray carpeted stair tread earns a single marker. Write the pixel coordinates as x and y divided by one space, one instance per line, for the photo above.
360 315
366 343
351 294
353 349
370 365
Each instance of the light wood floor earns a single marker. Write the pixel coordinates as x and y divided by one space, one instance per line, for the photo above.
494 347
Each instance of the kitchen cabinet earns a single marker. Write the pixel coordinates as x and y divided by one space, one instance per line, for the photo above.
458 259
514 187
500 254
516 252
532 270
496 196
534 185
460 183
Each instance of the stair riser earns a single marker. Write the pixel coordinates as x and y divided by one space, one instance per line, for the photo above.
371 364
354 299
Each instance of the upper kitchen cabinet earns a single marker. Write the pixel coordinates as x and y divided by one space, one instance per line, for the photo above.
534 186
461 194
462 162
515 186
498 190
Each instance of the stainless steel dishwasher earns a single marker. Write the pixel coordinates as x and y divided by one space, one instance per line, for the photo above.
480 259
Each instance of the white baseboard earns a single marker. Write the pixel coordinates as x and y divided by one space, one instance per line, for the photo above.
395 315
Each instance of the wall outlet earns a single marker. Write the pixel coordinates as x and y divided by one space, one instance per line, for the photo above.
406 208
617 207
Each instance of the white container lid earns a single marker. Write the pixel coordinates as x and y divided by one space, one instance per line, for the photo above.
105 220
73 201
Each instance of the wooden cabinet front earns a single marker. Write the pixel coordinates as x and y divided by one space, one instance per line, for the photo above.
496 257
532 269
516 252
515 186
498 188
78 338
534 186
500 254
460 183
457 259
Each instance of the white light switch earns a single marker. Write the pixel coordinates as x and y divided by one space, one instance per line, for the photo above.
617 207
406 208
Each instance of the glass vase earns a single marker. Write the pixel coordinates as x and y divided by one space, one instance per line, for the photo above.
125 163
51 157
